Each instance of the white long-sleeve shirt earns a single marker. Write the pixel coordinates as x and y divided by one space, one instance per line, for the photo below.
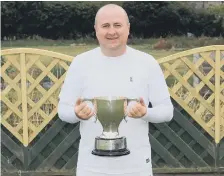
135 74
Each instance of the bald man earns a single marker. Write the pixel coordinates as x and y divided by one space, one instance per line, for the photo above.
115 69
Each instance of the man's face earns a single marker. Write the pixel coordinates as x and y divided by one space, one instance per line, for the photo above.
112 29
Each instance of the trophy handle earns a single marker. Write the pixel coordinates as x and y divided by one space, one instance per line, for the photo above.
133 99
128 100
93 102
125 110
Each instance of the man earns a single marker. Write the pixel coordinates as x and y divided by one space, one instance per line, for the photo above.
115 69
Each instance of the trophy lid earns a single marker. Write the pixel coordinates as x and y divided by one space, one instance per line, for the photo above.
110 98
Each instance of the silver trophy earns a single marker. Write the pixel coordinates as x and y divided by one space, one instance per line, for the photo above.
110 111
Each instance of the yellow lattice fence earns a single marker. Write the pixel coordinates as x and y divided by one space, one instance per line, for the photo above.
31 81
30 84
196 81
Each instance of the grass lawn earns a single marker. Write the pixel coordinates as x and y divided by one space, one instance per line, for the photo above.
75 50
72 47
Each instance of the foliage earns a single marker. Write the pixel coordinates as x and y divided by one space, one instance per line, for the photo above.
171 18
218 10
73 20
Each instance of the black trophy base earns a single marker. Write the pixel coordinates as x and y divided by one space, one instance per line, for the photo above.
110 152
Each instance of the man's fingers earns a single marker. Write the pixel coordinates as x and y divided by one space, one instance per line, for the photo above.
88 111
138 107
130 113
142 102
83 110
136 111
81 106
78 102
133 112
91 113
85 114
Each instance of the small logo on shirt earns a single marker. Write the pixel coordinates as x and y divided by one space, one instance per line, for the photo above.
147 160
131 79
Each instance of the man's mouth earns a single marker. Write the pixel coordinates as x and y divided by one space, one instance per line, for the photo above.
112 38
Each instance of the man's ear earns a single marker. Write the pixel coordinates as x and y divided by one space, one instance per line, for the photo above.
128 28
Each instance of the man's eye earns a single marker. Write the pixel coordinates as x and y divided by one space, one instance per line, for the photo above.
117 25
105 26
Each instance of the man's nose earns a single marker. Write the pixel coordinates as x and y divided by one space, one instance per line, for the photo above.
111 30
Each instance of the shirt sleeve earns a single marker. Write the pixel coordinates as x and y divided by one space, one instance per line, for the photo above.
162 112
70 92
162 107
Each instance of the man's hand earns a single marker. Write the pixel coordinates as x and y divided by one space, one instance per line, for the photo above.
82 110
138 110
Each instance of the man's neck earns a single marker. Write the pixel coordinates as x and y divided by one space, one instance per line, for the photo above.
114 53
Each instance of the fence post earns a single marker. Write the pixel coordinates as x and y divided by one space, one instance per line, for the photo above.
24 99
217 97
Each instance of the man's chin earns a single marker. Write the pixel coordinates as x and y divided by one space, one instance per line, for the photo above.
113 47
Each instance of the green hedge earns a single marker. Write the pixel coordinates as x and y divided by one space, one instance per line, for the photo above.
72 20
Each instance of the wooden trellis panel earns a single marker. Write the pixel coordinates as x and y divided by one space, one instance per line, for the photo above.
54 149
30 83
182 145
178 146
35 141
204 99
